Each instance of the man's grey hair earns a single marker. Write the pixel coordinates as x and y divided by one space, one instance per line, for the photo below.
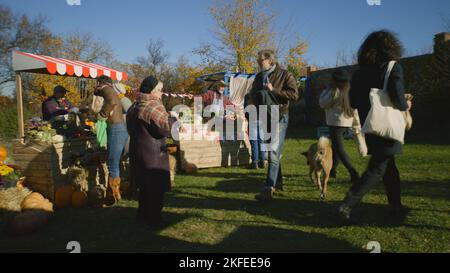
268 54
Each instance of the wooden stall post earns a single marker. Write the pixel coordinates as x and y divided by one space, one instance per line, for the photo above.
21 132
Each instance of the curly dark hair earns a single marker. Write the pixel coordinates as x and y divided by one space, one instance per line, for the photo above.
380 47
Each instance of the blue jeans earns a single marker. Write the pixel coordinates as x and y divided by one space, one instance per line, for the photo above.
255 135
275 154
117 138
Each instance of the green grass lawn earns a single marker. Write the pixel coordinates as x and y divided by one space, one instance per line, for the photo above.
215 211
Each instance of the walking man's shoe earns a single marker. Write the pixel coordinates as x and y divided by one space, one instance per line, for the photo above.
265 196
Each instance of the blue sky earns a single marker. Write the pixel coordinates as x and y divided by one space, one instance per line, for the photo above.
327 25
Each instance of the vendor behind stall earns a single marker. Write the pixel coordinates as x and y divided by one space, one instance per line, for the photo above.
216 98
55 107
215 102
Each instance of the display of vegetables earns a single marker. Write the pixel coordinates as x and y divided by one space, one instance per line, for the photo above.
39 130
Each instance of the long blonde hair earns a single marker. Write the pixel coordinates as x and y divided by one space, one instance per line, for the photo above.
344 99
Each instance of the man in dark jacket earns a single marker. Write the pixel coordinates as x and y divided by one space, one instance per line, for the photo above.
56 106
273 86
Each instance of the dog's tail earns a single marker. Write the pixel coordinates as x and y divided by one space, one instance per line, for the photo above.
324 142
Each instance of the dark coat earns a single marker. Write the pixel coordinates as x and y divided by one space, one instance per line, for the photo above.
52 107
284 84
372 76
149 161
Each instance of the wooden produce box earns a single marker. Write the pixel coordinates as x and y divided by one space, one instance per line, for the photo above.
209 152
45 165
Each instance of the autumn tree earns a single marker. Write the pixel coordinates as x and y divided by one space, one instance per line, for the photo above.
155 59
242 28
19 32
294 59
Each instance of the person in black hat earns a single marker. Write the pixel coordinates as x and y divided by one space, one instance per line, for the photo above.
339 117
149 124
57 105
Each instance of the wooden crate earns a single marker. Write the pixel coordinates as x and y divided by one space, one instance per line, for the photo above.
45 165
208 153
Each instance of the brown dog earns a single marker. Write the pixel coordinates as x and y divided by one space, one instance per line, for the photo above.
320 160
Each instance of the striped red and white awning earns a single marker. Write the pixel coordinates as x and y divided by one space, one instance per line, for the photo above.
178 95
28 62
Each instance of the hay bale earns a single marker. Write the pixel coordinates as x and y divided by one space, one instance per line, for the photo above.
78 177
11 198
173 167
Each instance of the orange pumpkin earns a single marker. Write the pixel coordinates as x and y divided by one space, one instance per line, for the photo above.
79 199
3 154
35 201
63 196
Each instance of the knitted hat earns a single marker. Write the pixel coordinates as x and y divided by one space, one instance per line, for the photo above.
148 84
59 89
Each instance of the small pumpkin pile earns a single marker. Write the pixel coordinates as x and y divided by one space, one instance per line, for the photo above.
67 196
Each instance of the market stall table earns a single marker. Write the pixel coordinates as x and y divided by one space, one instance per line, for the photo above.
45 163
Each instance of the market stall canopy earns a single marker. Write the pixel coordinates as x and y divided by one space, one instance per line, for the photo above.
28 62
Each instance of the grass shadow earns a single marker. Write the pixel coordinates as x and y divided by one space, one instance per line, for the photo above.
97 230
252 239
319 214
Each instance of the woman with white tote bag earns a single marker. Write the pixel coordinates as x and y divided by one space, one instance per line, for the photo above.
376 76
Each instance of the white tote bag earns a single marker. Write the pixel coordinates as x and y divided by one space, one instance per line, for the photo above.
384 119
359 136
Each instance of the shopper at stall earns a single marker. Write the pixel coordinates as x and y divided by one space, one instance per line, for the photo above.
116 131
56 106
149 124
